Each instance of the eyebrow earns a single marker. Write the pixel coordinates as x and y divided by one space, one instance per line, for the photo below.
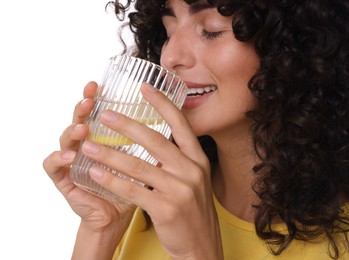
193 9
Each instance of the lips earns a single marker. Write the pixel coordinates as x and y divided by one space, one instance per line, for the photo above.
197 95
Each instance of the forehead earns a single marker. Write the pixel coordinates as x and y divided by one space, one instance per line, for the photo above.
195 6
192 2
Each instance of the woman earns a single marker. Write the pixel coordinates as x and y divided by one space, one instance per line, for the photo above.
269 174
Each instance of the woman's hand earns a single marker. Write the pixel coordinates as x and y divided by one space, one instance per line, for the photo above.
181 201
97 215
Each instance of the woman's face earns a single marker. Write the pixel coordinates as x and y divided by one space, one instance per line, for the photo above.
202 50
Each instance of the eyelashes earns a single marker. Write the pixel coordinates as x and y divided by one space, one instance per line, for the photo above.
206 34
211 35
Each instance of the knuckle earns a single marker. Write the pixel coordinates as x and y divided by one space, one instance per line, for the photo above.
63 136
157 140
197 177
81 110
130 191
77 105
138 167
205 163
46 162
104 154
170 213
66 136
109 179
180 120
187 194
51 162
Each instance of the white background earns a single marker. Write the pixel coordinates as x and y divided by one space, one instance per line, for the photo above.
48 51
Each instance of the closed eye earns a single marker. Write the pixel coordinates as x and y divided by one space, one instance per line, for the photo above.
211 35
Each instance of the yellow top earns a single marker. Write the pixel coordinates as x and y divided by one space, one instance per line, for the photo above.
240 242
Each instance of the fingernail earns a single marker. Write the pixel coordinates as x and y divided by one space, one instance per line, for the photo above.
109 116
78 127
96 173
90 147
83 101
150 88
68 155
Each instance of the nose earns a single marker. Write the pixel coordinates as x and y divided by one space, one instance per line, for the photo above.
177 53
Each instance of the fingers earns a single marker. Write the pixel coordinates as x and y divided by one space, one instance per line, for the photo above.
181 130
90 90
121 162
125 189
76 132
54 163
166 186
84 107
173 161
82 110
154 142
182 167
71 137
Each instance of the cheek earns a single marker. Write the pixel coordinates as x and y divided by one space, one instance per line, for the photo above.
235 67
233 73
235 56
243 62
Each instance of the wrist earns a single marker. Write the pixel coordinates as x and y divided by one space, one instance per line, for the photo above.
99 243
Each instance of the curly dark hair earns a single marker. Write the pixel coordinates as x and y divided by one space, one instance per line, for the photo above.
301 121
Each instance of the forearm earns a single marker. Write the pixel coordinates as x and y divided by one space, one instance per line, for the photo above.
93 245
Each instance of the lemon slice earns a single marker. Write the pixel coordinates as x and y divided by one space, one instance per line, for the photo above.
143 113
118 140
139 112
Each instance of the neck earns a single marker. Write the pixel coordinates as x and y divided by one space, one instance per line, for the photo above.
233 176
